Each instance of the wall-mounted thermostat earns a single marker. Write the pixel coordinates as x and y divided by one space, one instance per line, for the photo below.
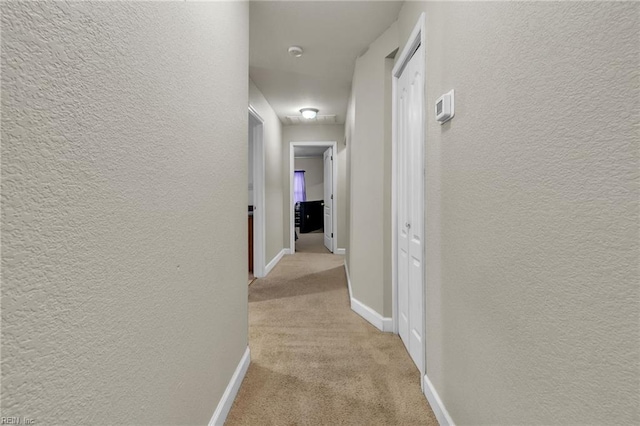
445 107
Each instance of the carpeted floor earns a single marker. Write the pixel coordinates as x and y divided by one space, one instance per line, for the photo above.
316 362
311 242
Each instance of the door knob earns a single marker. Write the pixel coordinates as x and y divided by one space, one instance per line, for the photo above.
408 225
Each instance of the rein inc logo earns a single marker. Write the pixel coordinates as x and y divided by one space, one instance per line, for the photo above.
17 421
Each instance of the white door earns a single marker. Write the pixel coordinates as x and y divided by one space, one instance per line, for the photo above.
410 203
328 199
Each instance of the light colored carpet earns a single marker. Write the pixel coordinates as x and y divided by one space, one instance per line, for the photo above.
312 242
316 362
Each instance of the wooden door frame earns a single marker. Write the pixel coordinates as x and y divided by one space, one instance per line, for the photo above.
416 39
259 263
292 214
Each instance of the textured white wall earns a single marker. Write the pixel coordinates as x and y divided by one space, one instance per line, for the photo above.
349 127
311 133
532 210
273 173
368 122
124 174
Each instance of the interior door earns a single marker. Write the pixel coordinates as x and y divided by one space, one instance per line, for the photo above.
410 206
328 199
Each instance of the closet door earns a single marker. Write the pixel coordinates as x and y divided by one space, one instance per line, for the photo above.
410 205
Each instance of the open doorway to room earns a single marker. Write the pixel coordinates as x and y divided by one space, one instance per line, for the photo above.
313 186
255 212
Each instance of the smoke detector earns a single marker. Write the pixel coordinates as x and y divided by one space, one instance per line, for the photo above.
295 51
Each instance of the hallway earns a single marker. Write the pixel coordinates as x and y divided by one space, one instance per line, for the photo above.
312 242
484 204
315 361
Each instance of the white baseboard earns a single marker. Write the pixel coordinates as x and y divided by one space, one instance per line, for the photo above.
341 251
377 320
346 270
436 403
224 406
274 261
288 251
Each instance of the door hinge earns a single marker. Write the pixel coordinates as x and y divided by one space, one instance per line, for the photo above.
332 235
332 196
332 158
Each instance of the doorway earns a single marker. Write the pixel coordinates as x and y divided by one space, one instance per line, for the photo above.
256 209
312 197
408 199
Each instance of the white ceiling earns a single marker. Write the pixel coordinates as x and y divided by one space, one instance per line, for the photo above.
309 151
332 34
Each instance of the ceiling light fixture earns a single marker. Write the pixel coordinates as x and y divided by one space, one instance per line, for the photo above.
309 113
295 51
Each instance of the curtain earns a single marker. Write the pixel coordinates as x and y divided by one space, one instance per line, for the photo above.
299 188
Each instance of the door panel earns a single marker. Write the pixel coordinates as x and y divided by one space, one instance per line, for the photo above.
416 208
328 199
410 206
402 230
